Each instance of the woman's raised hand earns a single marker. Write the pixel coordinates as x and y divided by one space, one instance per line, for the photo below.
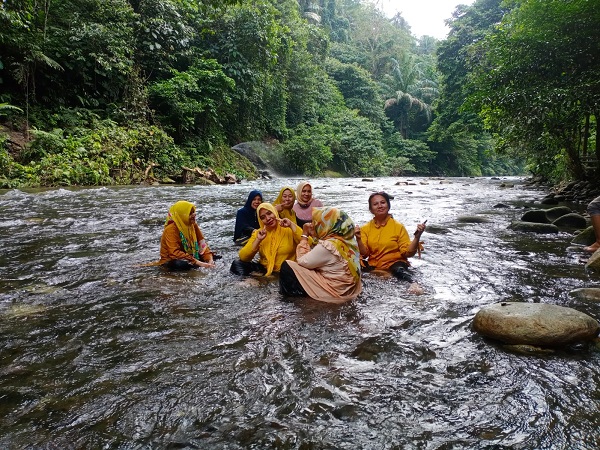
420 228
357 233
262 233
286 223
308 229
279 208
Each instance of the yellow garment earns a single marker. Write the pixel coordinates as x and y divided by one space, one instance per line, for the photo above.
286 213
276 247
386 244
180 214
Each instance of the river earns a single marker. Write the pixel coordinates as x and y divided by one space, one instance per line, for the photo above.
97 351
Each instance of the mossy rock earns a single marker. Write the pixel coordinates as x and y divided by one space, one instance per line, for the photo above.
554 213
572 220
535 216
532 227
586 237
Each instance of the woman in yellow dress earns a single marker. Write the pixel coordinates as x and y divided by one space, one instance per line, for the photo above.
275 241
384 242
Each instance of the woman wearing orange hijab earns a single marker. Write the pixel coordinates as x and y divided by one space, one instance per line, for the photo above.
182 245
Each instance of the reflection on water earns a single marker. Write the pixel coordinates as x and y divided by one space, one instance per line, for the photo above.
97 351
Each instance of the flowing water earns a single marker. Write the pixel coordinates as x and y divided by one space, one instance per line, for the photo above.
97 351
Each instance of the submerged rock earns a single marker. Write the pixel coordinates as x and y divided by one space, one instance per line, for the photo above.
532 227
536 324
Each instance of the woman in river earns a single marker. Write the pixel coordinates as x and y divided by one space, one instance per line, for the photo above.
274 241
182 245
284 204
330 271
305 202
246 220
384 242
593 210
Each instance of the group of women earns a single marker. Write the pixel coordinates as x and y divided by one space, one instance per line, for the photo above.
317 250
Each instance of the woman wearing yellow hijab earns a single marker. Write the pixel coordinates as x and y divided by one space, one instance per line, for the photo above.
275 241
330 271
182 245
284 204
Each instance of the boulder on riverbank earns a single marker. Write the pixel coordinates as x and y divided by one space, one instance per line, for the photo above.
535 324
571 220
586 237
535 216
594 262
532 227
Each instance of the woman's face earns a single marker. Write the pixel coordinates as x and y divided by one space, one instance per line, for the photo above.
256 201
378 205
192 217
306 193
268 218
287 199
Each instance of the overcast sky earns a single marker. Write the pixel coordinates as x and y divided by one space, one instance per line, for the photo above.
423 16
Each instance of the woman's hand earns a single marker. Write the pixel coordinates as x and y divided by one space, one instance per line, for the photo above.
308 229
287 223
261 234
357 233
208 265
279 208
420 229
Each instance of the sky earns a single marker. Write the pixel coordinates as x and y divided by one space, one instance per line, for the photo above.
423 16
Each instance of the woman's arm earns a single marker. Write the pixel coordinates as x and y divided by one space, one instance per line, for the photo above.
362 248
248 251
315 258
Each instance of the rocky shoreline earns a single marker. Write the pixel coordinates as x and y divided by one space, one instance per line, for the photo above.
573 191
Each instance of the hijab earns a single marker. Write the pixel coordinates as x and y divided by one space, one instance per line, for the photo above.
246 216
286 213
335 227
271 242
299 194
179 214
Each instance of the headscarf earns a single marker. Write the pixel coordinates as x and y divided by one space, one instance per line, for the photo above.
299 194
179 213
246 216
271 243
334 226
286 213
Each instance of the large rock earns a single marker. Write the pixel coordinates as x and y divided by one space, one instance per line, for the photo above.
586 237
594 262
554 213
571 220
532 227
535 324
535 216
589 294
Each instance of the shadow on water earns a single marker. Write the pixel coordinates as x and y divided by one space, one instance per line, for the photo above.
97 351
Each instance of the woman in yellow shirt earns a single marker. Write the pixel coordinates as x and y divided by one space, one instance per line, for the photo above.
284 204
275 241
384 242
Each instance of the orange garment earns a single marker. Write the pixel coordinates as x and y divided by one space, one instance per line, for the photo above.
171 246
386 244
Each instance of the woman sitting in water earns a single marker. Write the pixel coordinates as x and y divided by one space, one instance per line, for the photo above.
284 203
182 245
384 241
305 202
245 220
275 241
330 272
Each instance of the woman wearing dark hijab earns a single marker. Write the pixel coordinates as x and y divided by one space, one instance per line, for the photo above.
246 220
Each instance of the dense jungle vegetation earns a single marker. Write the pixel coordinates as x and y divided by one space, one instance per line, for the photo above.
98 92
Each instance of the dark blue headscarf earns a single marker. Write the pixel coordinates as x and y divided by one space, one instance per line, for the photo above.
246 220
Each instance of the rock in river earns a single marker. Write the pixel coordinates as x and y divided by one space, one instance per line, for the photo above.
535 324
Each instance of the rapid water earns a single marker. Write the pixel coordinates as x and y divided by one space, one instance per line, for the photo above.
97 351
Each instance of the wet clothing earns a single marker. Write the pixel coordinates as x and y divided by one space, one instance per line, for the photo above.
386 244
246 220
304 210
286 213
182 240
279 244
330 271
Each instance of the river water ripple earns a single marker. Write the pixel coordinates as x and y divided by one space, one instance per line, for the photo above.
99 352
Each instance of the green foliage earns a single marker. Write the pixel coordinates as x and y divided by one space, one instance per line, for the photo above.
308 151
412 155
